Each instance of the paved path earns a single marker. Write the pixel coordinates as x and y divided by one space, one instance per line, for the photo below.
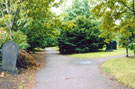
62 72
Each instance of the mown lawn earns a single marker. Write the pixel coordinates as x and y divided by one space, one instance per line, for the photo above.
56 48
119 51
123 69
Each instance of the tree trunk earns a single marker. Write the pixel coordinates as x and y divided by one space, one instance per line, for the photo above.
127 51
11 34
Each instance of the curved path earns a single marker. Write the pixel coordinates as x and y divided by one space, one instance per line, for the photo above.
62 72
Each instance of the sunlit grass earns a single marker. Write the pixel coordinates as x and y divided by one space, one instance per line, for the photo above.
119 51
38 49
123 69
56 48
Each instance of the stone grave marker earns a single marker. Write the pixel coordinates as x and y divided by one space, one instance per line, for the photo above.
10 52
112 45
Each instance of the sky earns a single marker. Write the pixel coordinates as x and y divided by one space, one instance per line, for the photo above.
58 10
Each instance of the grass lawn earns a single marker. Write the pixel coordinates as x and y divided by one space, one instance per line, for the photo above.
123 69
56 48
119 51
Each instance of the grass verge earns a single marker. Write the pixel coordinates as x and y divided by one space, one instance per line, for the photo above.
119 51
123 69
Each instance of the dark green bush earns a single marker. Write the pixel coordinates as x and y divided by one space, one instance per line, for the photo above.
79 42
84 37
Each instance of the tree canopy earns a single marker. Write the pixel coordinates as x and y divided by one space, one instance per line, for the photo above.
79 31
116 16
32 17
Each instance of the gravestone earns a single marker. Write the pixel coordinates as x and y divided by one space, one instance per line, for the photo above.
10 52
109 47
112 45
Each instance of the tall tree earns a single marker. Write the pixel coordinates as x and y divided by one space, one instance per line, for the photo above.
9 10
80 32
29 16
79 7
36 27
117 16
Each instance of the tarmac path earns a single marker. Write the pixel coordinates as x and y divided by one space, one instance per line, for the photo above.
63 72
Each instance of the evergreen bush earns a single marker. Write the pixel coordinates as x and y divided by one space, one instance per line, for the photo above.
84 37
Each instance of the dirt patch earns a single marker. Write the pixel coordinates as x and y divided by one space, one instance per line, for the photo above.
24 80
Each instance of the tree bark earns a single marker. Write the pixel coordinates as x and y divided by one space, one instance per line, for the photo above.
7 8
127 51
133 7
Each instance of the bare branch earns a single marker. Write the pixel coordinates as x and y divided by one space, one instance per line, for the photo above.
10 5
126 5
2 13
7 8
13 19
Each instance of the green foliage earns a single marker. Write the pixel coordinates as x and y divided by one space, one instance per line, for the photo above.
42 33
41 28
118 16
79 31
19 38
32 18
79 7
84 37
131 46
4 36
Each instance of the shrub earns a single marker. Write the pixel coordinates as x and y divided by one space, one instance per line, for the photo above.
84 37
4 36
75 41
18 37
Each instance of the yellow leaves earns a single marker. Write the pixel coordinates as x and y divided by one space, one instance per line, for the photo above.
111 11
69 25
97 11
48 25
125 32
122 30
108 40
6 16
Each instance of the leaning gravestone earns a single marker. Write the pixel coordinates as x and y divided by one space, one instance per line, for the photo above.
10 52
